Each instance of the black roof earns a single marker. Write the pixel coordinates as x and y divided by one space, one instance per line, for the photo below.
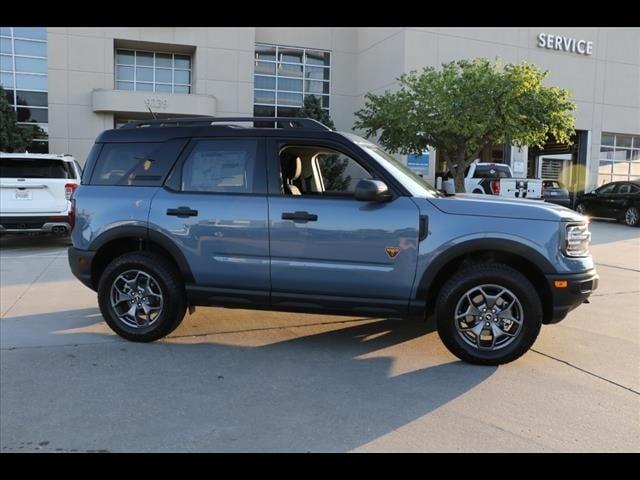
164 129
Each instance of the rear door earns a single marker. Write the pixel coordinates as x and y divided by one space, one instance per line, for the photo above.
34 185
214 208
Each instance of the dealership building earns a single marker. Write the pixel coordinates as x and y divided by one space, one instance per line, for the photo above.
77 82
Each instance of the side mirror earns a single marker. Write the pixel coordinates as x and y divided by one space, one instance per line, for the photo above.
372 191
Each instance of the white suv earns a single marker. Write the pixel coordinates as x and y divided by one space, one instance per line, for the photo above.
35 192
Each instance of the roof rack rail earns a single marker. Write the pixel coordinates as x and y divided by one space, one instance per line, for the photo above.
280 122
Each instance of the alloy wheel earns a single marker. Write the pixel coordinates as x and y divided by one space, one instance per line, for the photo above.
488 317
136 299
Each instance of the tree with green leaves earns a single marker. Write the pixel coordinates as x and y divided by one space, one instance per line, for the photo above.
312 108
466 106
14 137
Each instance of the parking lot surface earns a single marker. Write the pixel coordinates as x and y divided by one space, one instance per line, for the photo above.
238 380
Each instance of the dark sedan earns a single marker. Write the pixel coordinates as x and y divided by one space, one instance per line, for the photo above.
619 200
555 192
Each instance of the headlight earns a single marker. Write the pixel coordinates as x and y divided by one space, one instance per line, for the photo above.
576 240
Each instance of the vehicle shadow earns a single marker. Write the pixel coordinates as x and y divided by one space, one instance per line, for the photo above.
331 387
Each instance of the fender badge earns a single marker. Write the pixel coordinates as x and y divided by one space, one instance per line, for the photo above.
392 251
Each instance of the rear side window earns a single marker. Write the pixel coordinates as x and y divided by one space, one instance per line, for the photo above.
493 171
136 164
224 166
35 168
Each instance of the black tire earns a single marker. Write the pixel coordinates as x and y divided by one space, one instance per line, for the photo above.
488 273
169 282
581 208
629 215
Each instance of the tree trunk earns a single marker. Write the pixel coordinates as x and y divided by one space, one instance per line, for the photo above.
458 178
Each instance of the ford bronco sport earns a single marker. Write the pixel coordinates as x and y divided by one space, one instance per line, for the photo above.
172 214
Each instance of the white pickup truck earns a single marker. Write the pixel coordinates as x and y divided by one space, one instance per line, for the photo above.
35 192
496 179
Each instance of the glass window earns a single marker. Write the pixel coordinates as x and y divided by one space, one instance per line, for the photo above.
624 188
317 87
25 81
9 96
264 96
221 166
36 33
32 99
33 65
6 80
294 73
316 73
6 63
153 71
164 75
164 60
124 73
294 99
265 68
340 174
265 52
32 115
125 57
609 188
28 47
119 160
30 102
618 154
34 168
5 45
262 82
290 84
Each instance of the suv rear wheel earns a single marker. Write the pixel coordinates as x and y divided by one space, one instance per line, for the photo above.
141 296
488 314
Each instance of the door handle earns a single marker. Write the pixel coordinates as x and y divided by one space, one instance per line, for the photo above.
182 212
300 216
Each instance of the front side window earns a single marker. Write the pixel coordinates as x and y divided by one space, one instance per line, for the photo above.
284 76
320 171
221 166
147 71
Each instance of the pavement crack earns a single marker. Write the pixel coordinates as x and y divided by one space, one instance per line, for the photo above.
616 266
4 314
585 371
613 293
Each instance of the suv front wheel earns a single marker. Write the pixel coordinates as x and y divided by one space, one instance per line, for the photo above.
488 314
141 296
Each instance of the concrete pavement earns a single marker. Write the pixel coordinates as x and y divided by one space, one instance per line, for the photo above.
237 380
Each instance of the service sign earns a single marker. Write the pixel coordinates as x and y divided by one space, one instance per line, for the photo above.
566 44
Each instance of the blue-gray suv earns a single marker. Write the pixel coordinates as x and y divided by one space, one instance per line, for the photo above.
286 214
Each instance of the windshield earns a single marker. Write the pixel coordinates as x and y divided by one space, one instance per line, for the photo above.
417 186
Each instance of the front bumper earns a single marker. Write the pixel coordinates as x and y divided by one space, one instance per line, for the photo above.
80 262
579 286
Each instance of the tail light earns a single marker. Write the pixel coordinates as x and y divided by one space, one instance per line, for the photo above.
69 188
495 187
72 214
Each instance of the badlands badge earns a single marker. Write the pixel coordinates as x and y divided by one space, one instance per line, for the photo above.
392 251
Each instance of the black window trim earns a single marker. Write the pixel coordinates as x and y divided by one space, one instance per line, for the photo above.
173 182
275 145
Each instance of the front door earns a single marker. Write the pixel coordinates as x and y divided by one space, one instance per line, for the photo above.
214 209
328 250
